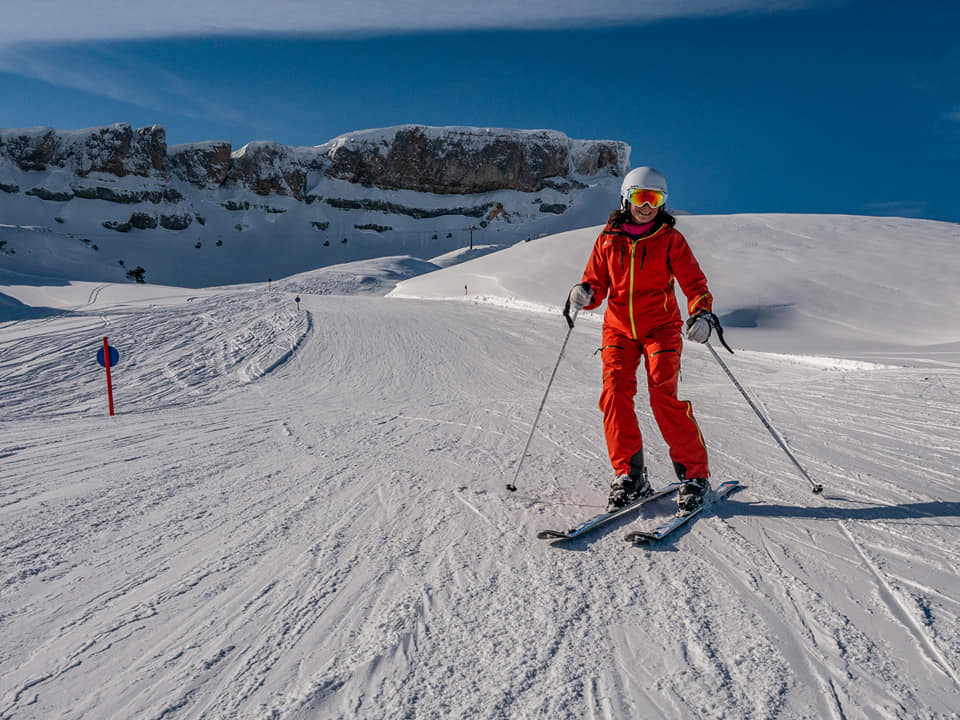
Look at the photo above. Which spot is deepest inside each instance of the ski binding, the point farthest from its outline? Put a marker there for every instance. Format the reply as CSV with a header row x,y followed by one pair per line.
x,y
605,517
640,536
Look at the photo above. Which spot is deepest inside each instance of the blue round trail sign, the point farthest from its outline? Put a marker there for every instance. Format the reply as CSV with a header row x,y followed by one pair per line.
x,y
114,357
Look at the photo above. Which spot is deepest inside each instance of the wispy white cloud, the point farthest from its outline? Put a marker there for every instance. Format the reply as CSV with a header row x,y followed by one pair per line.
x,y
105,73
68,20
56,41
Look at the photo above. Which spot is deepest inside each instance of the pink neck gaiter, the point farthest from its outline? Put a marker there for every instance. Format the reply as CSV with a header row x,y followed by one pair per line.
x,y
638,229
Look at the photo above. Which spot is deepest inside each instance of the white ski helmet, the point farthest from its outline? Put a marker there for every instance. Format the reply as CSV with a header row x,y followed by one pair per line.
x,y
642,177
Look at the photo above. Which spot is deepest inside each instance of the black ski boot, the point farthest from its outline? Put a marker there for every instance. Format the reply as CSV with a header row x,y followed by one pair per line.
x,y
626,488
690,496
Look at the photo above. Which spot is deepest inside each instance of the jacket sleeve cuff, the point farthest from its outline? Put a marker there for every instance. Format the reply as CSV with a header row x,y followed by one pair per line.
x,y
702,302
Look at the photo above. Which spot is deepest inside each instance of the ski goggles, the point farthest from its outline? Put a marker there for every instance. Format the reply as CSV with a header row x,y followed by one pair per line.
x,y
643,196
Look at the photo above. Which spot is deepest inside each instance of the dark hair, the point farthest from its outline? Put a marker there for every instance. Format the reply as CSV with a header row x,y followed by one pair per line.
x,y
622,215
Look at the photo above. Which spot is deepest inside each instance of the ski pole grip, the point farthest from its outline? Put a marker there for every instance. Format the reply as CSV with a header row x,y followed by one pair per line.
x,y
571,319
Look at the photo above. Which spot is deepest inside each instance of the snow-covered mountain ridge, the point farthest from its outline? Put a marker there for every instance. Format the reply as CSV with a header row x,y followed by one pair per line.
x,y
445,160
423,190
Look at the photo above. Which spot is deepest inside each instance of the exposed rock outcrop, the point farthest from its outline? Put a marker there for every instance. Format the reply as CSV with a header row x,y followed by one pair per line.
x,y
466,161
455,160
202,164
115,149
269,168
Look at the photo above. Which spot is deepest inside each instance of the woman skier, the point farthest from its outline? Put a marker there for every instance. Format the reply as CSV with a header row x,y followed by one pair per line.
x,y
633,266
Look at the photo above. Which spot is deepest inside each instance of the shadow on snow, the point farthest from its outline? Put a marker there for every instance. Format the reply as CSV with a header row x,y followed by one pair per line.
x,y
733,508
908,511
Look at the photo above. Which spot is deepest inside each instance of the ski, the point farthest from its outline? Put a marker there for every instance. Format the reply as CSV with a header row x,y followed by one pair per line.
x,y
605,517
639,536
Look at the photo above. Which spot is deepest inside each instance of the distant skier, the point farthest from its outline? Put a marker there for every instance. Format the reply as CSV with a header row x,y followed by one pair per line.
x,y
633,266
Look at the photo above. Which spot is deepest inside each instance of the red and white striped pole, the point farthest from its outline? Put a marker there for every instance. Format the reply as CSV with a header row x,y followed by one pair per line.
x,y
106,364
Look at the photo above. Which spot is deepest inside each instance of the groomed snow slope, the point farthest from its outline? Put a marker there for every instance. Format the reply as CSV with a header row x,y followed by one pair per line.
x,y
302,514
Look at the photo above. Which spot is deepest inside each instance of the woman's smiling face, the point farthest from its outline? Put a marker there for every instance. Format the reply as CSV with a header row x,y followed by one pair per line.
x,y
642,214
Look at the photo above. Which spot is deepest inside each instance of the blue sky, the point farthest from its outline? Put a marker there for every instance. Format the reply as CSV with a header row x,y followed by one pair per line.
x,y
746,106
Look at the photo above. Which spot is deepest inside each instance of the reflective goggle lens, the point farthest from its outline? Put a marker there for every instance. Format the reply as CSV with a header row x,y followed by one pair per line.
x,y
641,196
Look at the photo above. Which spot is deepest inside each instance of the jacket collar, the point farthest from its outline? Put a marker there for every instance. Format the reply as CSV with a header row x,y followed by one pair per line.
x,y
653,232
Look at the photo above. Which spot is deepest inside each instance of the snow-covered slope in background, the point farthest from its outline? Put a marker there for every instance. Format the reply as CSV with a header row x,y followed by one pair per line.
x,y
842,285
269,244
300,512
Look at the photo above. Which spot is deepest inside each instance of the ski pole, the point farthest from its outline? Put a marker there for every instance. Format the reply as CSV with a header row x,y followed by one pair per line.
x,y
512,487
817,487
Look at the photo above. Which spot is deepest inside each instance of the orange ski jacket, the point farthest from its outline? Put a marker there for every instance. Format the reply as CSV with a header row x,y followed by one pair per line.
x,y
638,272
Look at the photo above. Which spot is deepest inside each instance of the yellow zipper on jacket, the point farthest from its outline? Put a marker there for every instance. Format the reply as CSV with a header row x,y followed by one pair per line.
x,y
633,254
633,324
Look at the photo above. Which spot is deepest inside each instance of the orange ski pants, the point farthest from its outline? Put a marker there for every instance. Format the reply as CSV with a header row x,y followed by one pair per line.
x,y
660,352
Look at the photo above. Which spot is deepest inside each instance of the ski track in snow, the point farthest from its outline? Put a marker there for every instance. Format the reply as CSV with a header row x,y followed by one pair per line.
x,y
302,515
